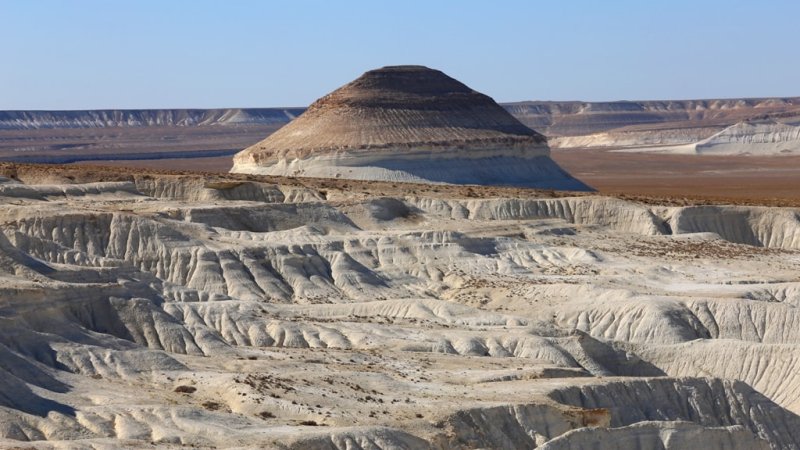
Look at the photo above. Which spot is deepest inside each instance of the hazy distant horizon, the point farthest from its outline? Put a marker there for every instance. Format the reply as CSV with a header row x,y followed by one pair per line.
x,y
500,102
202,54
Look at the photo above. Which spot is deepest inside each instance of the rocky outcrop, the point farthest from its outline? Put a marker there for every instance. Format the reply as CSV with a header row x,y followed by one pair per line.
x,y
408,124
658,435
754,138
710,403
764,227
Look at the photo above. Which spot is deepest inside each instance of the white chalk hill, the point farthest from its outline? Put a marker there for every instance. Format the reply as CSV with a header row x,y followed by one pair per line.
x,y
754,138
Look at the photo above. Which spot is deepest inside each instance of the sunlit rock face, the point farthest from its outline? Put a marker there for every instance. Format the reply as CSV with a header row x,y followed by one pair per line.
x,y
408,124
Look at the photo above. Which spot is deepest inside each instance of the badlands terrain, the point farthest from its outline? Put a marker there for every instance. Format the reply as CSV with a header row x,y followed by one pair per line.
x,y
153,309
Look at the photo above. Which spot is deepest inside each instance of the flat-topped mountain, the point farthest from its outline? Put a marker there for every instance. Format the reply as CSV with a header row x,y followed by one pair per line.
x,y
408,123
126,118
579,118
553,118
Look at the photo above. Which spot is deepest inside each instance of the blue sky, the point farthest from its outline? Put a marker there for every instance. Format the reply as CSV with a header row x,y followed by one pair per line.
x,y
83,54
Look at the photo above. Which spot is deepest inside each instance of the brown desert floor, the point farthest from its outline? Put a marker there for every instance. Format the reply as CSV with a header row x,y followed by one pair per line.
x,y
218,164
731,177
769,180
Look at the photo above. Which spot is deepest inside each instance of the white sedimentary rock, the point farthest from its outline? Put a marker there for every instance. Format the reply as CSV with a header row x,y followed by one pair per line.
x,y
170,310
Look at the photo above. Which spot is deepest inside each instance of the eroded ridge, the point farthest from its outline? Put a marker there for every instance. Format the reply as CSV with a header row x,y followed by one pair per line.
x,y
157,310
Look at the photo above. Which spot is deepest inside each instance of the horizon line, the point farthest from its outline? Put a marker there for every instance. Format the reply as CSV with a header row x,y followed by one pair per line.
x,y
516,102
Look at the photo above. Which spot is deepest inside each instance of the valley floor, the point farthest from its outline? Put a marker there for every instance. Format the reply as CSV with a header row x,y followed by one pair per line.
x,y
751,179
766,180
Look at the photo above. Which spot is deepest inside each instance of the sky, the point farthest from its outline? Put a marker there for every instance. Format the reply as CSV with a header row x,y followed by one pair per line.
x,y
91,54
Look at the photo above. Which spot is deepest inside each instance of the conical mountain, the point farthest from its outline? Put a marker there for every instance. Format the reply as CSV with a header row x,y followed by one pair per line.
x,y
408,123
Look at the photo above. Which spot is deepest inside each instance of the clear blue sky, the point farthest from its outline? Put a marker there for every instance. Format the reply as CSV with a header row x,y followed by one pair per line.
x,y
83,54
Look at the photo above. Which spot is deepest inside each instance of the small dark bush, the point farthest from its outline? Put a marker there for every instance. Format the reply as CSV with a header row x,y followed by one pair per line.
x,y
212,406
186,389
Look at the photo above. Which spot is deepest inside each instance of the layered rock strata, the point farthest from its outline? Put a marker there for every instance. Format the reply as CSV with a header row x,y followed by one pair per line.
x,y
408,124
